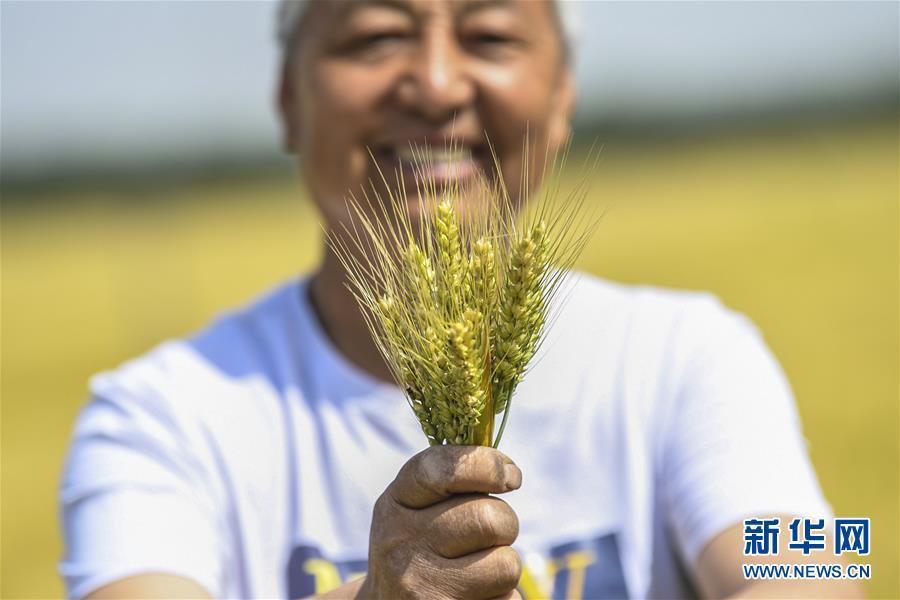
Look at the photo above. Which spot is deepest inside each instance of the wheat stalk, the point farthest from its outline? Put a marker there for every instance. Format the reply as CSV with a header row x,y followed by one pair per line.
x,y
457,298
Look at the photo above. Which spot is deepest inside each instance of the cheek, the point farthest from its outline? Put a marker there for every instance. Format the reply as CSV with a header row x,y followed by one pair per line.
x,y
334,110
518,97
338,111
517,103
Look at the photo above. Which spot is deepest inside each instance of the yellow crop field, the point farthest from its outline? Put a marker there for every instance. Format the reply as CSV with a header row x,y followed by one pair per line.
x,y
798,229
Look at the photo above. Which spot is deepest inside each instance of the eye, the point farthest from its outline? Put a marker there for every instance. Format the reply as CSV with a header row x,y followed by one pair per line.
x,y
377,40
374,39
490,43
490,39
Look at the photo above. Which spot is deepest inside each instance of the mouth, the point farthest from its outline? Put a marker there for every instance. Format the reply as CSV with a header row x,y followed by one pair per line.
x,y
437,164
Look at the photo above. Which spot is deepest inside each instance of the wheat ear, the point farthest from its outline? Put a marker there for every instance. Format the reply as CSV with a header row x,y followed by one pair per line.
x,y
457,299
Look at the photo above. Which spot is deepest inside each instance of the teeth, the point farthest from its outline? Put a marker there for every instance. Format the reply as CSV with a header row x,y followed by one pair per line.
x,y
437,155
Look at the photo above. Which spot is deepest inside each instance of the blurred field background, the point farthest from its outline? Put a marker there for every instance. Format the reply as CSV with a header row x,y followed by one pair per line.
x,y
788,214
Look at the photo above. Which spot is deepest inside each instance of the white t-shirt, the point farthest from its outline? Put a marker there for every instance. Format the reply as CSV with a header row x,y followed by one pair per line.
x,y
249,457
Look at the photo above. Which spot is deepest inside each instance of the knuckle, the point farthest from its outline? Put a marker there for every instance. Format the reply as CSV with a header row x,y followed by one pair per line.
x,y
435,465
494,465
479,465
509,567
492,458
489,519
462,466
439,465
497,520
513,521
497,465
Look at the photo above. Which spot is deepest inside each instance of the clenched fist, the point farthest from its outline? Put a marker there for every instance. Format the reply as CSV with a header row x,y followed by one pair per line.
x,y
436,533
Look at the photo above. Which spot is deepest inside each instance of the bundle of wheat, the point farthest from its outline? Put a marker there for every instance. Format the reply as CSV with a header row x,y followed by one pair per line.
x,y
456,293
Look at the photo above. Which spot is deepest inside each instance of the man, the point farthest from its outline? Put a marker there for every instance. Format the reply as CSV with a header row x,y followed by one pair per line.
x,y
271,456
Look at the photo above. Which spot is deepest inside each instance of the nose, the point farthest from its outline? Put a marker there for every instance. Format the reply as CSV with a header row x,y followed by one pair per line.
x,y
437,85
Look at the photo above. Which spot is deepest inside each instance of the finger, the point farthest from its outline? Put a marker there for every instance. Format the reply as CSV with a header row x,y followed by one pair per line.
x,y
435,473
513,595
464,524
484,574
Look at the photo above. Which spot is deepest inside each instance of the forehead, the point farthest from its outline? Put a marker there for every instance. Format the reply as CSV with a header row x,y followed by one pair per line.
x,y
344,8
301,22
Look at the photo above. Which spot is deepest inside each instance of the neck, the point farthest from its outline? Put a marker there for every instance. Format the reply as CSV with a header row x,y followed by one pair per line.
x,y
341,319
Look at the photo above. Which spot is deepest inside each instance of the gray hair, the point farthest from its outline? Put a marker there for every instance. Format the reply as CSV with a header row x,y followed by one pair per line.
x,y
290,12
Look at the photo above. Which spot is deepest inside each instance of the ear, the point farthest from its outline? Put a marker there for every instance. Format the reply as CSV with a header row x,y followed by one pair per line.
x,y
288,108
565,103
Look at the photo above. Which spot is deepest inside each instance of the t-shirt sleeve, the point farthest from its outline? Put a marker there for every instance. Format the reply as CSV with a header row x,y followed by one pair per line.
x,y
733,447
136,496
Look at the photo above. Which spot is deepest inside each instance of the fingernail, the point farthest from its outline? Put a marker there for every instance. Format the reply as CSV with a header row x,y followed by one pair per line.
x,y
512,477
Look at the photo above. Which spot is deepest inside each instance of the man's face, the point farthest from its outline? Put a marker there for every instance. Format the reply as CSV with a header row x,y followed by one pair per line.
x,y
379,75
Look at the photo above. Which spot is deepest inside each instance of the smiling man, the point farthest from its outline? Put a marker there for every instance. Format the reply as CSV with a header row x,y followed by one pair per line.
x,y
271,456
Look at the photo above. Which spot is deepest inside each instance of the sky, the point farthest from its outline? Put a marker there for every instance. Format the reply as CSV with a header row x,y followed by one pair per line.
x,y
113,82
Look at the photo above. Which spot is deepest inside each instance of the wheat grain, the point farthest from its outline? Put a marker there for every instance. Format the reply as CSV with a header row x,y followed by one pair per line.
x,y
457,300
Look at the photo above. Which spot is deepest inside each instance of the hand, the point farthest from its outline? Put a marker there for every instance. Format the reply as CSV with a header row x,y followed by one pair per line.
x,y
437,534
